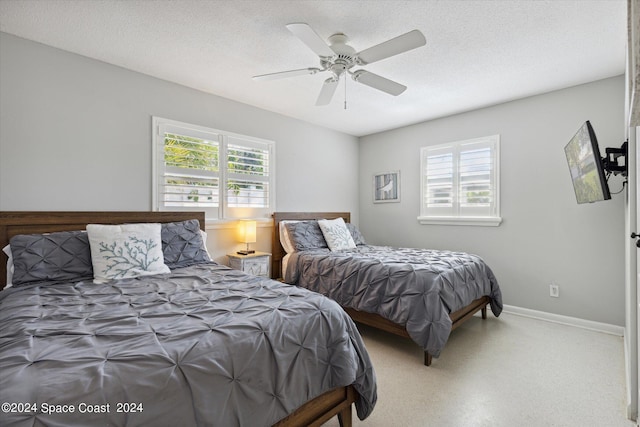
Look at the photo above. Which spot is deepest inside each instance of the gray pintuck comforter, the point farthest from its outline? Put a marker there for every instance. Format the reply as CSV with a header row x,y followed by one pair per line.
x,y
415,288
205,346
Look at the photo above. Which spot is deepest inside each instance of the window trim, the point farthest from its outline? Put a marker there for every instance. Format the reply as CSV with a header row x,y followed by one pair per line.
x,y
487,221
223,139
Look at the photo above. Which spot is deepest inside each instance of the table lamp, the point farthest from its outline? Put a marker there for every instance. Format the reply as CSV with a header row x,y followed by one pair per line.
x,y
247,231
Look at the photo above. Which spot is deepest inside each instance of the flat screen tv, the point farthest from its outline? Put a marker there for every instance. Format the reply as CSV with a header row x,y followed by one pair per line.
x,y
586,166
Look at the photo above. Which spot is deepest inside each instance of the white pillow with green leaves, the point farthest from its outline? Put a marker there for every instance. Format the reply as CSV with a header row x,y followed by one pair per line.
x,y
336,234
125,251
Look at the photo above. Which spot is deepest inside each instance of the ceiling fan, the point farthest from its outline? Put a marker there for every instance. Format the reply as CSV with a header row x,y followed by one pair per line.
x,y
339,58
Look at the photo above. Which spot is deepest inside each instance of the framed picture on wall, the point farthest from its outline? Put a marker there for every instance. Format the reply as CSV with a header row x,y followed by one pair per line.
x,y
386,187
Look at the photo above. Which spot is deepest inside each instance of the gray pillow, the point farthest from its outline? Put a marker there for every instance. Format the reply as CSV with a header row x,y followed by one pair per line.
x,y
51,258
358,238
182,244
305,235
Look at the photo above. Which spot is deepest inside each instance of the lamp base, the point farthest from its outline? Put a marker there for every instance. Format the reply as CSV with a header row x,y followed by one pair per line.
x,y
246,252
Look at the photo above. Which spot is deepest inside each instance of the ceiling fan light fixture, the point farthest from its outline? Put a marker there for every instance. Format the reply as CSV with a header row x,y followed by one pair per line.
x,y
338,57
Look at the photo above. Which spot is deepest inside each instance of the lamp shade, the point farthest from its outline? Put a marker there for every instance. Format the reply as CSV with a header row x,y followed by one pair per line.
x,y
247,231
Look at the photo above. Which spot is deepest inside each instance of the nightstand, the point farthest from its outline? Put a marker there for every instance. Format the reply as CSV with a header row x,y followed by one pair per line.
x,y
258,263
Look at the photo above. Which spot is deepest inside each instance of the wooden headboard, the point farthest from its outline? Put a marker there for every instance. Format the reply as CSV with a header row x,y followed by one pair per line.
x,y
37,222
277,251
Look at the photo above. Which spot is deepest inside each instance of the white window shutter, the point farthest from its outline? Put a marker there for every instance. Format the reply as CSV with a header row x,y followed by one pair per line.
x,y
439,181
248,176
460,182
224,174
477,188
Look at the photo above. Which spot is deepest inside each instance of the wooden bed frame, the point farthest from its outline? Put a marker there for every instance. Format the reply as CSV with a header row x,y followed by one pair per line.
x,y
371,319
313,413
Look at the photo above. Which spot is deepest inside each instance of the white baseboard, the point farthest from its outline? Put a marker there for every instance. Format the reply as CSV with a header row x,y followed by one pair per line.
x,y
566,320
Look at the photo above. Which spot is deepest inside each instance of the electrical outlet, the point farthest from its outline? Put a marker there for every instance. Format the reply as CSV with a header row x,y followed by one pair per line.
x,y
554,290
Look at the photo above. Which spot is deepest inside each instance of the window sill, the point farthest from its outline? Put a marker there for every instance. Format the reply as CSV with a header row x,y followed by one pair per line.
x,y
452,220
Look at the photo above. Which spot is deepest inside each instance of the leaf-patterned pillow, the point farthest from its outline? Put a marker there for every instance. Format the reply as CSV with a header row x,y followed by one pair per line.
x,y
125,251
336,234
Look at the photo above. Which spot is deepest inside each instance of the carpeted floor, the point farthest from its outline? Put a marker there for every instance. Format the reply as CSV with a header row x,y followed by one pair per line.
x,y
508,371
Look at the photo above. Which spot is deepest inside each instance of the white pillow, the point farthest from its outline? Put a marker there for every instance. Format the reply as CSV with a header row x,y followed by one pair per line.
x,y
285,240
125,251
204,244
7,250
336,234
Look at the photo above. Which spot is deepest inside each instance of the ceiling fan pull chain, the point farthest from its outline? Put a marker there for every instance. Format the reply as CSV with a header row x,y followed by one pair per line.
x,y
345,93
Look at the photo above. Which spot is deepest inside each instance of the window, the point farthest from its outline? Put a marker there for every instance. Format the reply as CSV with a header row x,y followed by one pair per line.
x,y
460,182
224,174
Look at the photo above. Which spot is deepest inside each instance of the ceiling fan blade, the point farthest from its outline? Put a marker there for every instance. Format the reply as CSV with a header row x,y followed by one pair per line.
x,y
378,82
328,89
283,74
400,44
309,37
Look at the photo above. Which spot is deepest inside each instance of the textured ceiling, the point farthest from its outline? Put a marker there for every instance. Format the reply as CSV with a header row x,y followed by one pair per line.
x,y
478,53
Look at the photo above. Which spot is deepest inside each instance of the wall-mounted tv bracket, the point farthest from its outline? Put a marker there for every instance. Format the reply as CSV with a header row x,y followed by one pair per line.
x,y
611,162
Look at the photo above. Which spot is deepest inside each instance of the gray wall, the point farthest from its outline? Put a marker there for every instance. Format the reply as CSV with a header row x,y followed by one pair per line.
x,y
75,134
545,235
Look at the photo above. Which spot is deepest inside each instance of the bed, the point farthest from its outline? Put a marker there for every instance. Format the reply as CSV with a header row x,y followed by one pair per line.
x,y
415,293
200,345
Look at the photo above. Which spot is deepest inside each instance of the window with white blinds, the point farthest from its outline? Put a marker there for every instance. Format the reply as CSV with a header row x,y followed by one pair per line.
x,y
460,182
224,174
